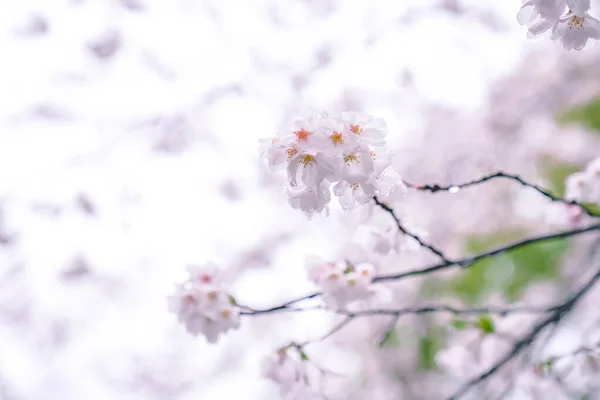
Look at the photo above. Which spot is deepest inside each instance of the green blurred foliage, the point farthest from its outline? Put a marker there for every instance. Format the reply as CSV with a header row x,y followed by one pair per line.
x,y
587,115
555,173
485,324
459,324
391,338
429,345
510,272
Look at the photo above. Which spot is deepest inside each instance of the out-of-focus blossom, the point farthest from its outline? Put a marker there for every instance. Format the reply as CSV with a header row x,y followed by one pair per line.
x,y
342,283
202,305
291,375
584,186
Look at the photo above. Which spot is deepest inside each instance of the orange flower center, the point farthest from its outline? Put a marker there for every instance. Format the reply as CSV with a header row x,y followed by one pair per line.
x,y
356,129
336,138
291,152
189,299
350,157
302,135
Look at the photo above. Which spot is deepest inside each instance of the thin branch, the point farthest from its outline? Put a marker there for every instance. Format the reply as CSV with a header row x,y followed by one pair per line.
x,y
338,327
503,175
283,307
466,262
524,342
407,233
502,311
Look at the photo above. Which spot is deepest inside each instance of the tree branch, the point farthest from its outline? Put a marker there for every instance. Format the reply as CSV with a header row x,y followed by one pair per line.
x,y
464,263
519,346
407,233
468,261
502,175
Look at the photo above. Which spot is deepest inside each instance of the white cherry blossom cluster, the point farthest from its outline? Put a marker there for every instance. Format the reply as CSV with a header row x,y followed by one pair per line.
x,y
291,375
584,186
342,283
347,150
568,21
202,305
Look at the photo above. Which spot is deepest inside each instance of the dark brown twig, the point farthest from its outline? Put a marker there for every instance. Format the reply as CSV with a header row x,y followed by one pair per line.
x,y
433,188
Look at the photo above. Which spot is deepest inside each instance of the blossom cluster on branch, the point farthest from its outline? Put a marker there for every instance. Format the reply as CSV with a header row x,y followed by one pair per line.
x,y
203,306
568,21
348,152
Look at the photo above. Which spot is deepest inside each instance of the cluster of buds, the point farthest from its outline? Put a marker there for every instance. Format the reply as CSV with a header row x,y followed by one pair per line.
x,y
202,305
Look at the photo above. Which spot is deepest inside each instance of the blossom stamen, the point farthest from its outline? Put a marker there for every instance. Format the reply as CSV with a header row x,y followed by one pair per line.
x,y
356,129
336,138
307,160
302,135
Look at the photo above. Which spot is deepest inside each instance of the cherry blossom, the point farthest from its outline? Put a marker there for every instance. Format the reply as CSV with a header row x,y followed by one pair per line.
x,y
346,151
540,15
202,306
575,28
291,376
342,283
584,186
569,20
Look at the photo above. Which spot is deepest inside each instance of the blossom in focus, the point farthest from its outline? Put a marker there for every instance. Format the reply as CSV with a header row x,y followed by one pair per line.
x,y
347,151
202,306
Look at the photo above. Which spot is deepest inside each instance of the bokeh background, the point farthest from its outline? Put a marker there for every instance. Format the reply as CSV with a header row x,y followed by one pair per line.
x,y
129,149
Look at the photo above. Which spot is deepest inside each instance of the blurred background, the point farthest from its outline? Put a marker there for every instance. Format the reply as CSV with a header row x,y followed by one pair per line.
x,y
129,148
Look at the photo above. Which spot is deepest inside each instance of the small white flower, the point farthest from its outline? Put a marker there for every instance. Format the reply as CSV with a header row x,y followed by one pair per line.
x,y
540,15
208,273
575,28
312,169
283,370
358,166
371,130
388,183
560,214
301,133
336,137
342,283
202,306
291,375
352,194
277,153
579,7
308,199
583,187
